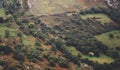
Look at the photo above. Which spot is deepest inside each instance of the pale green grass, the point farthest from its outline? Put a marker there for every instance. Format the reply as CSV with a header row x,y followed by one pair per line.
x,y
114,42
102,17
73,50
102,59
28,40
3,28
2,13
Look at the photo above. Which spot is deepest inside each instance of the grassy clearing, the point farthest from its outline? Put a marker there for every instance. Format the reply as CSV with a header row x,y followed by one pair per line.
x,y
73,50
2,13
3,28
102,59
100,17
106,40
28,40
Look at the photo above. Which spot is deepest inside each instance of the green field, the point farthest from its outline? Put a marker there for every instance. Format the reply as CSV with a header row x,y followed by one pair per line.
x,y
102,59
103,18
106,40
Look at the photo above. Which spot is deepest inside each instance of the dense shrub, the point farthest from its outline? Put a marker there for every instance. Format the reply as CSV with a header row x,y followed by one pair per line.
x,y
2,62
64,64
1,20
6,49
52,63
18,56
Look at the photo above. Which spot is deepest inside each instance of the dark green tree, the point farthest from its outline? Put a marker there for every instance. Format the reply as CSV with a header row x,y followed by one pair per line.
x,y
6,49
52,63
7,33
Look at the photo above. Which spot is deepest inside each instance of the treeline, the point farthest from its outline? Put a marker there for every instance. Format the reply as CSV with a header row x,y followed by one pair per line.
x,y
13,7
60,46
114,14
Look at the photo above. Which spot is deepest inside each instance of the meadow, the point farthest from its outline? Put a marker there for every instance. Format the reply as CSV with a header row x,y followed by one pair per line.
x,y
99,17
102,59
110,42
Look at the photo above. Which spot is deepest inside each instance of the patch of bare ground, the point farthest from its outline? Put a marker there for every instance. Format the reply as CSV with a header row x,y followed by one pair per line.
x,y
56,19
9,58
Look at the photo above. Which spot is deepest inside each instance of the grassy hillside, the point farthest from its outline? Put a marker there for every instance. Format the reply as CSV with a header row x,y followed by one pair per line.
x,y
99,17
3,28
110,42
33,39
102,59
47,7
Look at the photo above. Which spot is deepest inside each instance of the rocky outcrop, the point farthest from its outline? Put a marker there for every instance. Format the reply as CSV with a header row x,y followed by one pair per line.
x,y
113,3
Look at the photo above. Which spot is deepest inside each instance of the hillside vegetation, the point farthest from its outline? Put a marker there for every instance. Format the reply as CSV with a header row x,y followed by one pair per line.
x,y
108,40
59,35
